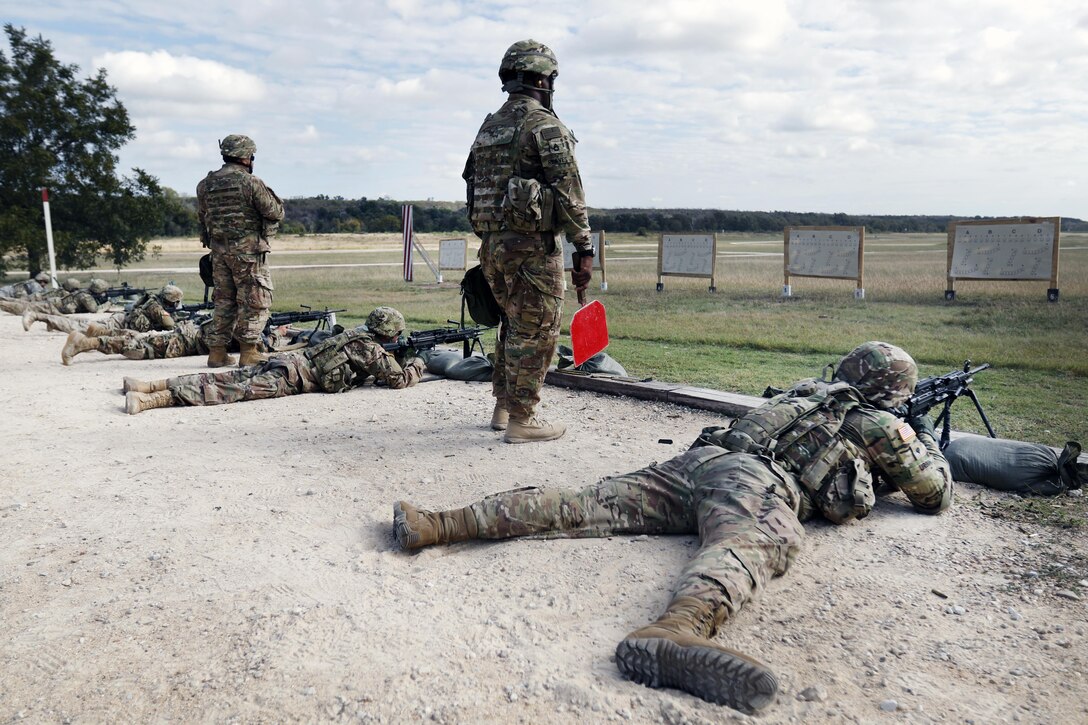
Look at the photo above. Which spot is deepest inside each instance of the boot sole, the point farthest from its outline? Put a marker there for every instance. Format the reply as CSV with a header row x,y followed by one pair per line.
x,y
529,439
708,673
407,538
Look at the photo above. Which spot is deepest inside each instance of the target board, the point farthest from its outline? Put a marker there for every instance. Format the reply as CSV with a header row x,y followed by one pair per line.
x,y
833,252
687,255
1018,249
452,254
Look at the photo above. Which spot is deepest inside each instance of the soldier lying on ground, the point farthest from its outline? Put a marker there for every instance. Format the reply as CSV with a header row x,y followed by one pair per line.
x,y
71,301
22,290
151,313
331,366
812,450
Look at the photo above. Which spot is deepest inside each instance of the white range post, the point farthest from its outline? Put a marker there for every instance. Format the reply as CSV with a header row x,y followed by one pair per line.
x,y
49,238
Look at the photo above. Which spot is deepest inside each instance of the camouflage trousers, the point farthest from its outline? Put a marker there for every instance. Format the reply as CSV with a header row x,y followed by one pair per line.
x,y
289,374
743,507
242,296
19,306
526,277
153,346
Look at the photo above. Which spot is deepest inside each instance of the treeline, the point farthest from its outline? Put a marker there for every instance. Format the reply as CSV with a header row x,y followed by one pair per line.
x,y
326,215
654,221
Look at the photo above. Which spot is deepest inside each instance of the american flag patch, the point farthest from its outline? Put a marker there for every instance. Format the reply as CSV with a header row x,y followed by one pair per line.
x,y
906,433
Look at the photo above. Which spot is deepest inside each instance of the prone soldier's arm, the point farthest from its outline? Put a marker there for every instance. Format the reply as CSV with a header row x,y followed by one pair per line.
x,y
911,460
372,359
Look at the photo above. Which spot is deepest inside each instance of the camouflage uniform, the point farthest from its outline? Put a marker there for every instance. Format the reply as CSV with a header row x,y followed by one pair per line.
x,y
745,490
524,195
237,214
331,366
747,507
20,290
149,314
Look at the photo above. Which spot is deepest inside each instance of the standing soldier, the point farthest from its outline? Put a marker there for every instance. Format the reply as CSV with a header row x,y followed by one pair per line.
x,y
237,214
814,450
524,195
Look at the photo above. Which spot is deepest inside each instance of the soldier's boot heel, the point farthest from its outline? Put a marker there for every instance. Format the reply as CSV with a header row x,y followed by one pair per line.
x,y
218,357
139,402
500,417
135,385
77,342
415,528
676,652
249,354
29,318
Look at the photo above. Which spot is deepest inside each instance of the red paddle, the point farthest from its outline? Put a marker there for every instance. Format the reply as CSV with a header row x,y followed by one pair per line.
x,y
588,329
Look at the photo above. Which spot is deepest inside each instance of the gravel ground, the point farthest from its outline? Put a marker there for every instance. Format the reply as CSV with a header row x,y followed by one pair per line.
x,y
236,563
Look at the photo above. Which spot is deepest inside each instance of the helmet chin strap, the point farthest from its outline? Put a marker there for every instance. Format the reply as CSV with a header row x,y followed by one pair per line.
x,y
516,85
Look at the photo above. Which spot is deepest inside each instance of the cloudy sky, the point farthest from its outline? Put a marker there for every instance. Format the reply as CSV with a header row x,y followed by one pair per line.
x,y
860,106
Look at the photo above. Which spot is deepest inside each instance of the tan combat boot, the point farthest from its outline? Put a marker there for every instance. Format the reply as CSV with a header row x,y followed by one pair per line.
x,y
139,402
29,318
77,342
676,652
416,528
135,385
97,329
249,354
533,429
500,417
218,357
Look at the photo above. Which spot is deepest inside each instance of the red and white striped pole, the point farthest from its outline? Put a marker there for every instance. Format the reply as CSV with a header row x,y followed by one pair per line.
x,y
49,238
406,226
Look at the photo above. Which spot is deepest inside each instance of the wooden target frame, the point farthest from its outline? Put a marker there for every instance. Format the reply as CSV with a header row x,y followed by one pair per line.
x,y
859,278
1006,240
675,267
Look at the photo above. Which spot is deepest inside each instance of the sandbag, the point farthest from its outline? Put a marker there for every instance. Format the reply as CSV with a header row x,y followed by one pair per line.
x,y
600,363
451,364
1028,468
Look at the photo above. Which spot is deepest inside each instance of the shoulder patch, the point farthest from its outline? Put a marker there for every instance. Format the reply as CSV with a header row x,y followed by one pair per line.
x,y
906,433
551,132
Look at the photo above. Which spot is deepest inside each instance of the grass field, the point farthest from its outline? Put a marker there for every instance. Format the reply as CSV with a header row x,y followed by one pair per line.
x,y
746,335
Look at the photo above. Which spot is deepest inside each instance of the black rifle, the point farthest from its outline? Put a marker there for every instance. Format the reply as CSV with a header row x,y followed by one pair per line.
x,y
123,291
325,318
945,389
429,339
188,312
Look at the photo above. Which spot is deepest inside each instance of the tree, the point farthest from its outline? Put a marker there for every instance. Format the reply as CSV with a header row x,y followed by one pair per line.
x,y
62,133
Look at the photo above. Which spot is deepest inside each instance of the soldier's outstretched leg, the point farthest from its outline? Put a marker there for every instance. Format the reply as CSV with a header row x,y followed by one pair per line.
x,y
676,652
54,323
749,532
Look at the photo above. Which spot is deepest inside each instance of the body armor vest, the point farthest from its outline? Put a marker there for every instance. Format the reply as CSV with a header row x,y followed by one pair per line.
x,y
229,216
333,372
800,429
137,318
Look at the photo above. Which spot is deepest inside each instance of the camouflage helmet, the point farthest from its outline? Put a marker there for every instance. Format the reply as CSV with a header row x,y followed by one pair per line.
x,y
41,277
385,321
238,146
171,293
883,373
98,286
71,284
529,56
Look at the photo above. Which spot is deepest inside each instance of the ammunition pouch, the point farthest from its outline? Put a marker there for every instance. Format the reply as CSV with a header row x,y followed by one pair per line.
x,y
528,206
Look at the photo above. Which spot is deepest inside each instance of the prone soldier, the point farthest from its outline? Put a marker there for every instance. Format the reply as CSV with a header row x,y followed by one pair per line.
x,y
153,312
333,365
814,450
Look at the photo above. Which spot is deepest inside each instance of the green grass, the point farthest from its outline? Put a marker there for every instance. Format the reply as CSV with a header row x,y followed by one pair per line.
x,y
747,335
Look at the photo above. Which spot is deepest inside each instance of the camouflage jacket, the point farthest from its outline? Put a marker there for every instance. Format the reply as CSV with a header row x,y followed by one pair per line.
x,y
237,212
526,141
352,357
20,290
836,445
147,315
78,301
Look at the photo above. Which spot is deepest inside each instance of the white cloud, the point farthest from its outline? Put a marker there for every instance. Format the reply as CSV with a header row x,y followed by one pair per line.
x,y
188,85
